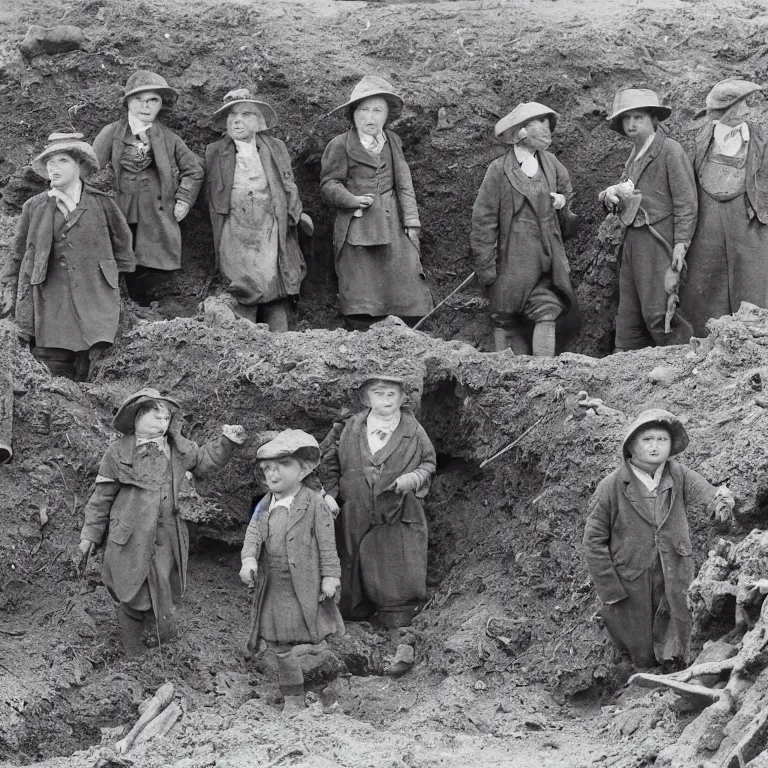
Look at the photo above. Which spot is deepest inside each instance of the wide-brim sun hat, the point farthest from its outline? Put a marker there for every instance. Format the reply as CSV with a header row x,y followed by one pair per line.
x,y
291,442
69,144
523,113
726,93
368,87
244,96
143,80
126,413
662,418
631,99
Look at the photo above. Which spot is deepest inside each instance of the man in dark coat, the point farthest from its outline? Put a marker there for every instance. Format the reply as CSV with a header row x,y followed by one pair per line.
x,y
637,542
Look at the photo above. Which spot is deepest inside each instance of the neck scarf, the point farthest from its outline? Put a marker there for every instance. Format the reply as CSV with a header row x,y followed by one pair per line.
x,y
379,429
645,146
529,163
67,199
730,139
161,442
246,148
373,144
651,482
286,501
138,127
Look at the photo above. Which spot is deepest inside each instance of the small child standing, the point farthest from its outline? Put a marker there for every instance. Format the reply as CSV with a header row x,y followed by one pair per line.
x,y
137,488
289,555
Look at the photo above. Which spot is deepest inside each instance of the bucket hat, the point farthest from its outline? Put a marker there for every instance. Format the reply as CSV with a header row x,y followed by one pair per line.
x,y
291,442
657,416
143,80
369,86
520,115
726,93
635,98
70,144
126,413
244,96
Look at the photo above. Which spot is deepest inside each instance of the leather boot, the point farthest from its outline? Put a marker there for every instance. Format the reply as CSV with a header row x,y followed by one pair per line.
x,y
403,661
130,634
544,339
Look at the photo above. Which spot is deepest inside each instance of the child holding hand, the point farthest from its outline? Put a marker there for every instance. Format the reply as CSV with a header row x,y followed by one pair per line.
x,y
289,556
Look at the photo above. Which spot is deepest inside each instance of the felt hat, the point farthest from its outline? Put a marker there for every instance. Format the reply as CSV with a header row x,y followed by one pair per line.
x,y
657,416
520,115
126,413
635,98
385,377
291,442
244,96
373,85
68,144
143,80
726,93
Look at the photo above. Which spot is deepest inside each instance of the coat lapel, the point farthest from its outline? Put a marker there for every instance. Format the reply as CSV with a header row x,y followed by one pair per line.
x,y
227,163
403,431
357,151
74,217
162,158
516,177
43,234
118,138
648,157
634,498
299,506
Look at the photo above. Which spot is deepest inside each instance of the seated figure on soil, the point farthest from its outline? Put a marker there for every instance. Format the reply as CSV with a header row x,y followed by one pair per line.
x,y
519,220
157,178
289,557
637,542
136,495
656,201
71,243
376,232
255,210
728,258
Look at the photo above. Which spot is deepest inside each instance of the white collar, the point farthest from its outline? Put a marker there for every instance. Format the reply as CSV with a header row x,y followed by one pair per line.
x,y
651,482
373,143
286,501
645,146
246,148
529,163
382,423
137,126
729,139
67,199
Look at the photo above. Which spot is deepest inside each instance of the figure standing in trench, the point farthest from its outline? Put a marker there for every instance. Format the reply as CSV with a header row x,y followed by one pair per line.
x,y
255,210
728,257
376,234
519,220
157,178
136,499
656,201
62,279
637,542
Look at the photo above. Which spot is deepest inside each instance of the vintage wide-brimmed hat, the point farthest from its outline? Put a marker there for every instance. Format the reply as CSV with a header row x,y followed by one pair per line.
x,y
519,116
291,442
244,96
726,93
635,98
143,80
663,418
69,144
126,413
369,86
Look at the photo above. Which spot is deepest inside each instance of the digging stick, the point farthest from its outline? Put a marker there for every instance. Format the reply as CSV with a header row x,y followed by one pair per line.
x,y
512,444
454,291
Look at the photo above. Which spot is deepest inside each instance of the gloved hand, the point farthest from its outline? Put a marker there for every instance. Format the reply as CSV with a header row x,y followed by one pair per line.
x,y
248,570
407,482
328,587
558,200
608,197
678,256
413,233
364,201
724,504
234,432
332,504
180,210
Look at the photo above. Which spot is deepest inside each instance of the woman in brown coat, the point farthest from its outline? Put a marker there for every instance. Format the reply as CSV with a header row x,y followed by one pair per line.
x,y
517,241
255,211
71,243
376,232
157,178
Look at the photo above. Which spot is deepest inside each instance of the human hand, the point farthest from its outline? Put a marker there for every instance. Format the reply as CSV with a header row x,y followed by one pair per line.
x,y
332,505
248,570
328,587
307,225
413,233
407,482
85,549
234,432
180,210
609,197
678,256
364,201
558,200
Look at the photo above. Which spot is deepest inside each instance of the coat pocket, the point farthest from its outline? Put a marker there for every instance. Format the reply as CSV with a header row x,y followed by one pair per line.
x,y
109,270
119,532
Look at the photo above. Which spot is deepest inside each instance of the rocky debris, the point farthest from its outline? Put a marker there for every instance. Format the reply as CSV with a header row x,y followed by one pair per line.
x,y
41,41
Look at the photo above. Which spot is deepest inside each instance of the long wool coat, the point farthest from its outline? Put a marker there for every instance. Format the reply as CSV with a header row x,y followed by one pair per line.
x,y
179,174
622,542
383,534
98,248
130,505
220,161
312,555
510,261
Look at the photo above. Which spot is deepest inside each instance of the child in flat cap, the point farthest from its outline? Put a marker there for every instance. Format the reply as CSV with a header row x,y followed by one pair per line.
x,y
136,493
289,556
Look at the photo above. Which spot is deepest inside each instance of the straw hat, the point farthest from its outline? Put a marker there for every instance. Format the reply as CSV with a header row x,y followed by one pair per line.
x,y
69,144
369,86
657,416
519,116
244,96
726,93
291,442
126,413
143,80
635,98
